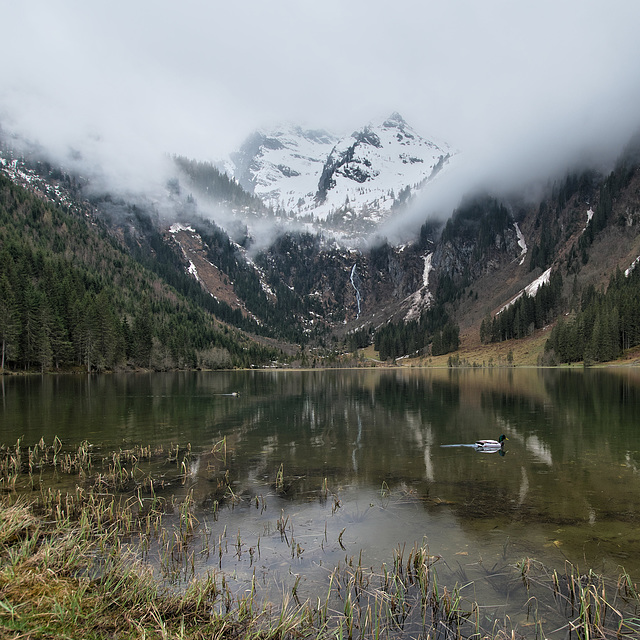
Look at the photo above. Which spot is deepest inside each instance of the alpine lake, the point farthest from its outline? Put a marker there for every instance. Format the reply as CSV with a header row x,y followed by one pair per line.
x,y
294,476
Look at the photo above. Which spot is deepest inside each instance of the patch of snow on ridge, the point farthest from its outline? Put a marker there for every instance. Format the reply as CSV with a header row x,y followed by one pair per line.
x,y
427,269
632,266
177,227
422,298
193,271
589,216
530,289
521,243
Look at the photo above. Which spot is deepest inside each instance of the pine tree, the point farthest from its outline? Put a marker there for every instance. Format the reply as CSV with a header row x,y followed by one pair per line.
x,y
61,346
31,327
142,335
88,331
9,321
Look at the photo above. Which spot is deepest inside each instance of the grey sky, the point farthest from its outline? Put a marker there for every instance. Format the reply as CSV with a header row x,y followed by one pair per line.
x,y
124,81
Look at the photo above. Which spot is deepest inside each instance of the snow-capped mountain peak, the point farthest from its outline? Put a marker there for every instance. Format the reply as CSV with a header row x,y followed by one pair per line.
x,y
315,174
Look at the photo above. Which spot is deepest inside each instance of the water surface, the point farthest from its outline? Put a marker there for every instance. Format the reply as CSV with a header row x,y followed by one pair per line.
x,y
363,465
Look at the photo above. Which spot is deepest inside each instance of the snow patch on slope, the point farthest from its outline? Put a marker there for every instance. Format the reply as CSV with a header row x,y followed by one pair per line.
x,y
355,287
521,243
589,216
192,270
422,298
177,227
531,289
632,266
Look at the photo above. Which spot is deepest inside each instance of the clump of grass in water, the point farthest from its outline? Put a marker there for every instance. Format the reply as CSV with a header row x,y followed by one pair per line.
x,y
95,587
594,606
280,479
118,472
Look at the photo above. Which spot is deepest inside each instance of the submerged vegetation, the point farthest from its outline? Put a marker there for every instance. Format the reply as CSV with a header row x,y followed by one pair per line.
x,y
109,553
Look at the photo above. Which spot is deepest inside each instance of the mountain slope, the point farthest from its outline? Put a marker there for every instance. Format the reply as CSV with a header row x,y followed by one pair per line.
x,y
281,166
369,170
72,296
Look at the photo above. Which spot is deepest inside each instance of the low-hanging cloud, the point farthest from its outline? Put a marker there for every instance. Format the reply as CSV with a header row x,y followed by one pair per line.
x,y
523,90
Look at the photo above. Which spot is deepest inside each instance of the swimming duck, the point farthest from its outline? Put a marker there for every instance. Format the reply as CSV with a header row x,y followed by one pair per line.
x,y
491,444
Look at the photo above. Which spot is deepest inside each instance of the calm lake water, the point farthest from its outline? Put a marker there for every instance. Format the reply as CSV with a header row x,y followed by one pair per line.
x,y
364,468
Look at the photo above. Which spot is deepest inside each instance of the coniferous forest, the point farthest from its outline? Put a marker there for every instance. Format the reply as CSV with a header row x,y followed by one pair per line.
x,y
206,179
72,297
434,332
607,323
524,315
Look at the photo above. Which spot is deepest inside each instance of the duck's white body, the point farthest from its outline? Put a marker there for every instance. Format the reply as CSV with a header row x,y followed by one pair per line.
x,y
490,444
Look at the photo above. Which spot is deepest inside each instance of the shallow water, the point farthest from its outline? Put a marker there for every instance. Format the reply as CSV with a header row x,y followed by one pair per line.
x,y
367,465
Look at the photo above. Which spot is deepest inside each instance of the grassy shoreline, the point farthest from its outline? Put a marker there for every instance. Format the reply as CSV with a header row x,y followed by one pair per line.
x,y
518,353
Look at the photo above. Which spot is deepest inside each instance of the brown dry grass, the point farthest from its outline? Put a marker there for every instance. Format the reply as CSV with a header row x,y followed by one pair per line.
x,y
525,353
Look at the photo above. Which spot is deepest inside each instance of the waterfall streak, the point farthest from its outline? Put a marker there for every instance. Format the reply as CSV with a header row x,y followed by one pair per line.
x,y
353,284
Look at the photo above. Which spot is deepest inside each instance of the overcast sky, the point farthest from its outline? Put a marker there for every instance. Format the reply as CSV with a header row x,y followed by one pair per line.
x,y
127,80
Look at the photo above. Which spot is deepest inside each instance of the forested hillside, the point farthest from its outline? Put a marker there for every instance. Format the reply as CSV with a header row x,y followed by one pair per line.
x,y
434,329
72,297
526,314
596,322
607,323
